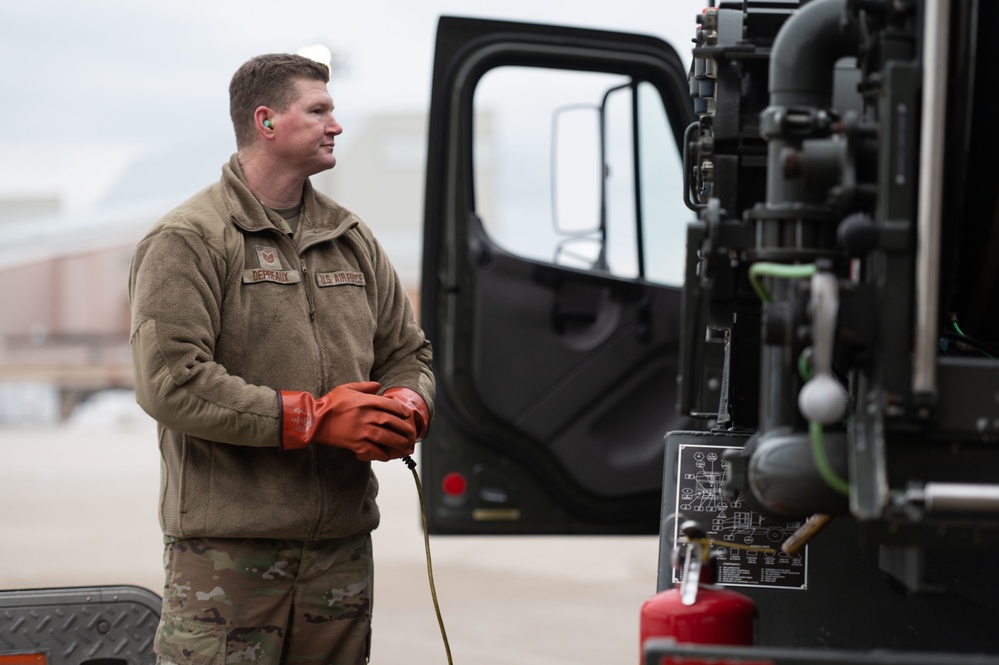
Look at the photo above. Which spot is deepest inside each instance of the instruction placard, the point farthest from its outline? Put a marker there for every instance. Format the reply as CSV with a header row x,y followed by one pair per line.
x,y
747,544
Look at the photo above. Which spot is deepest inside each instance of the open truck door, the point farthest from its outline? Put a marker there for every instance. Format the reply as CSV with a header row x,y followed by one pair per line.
x,y
554,244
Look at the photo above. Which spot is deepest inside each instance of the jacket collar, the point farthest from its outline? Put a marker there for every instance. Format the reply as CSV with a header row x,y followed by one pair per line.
x,y
321,218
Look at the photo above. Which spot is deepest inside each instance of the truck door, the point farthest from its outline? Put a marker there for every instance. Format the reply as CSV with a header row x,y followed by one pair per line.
x,y
554,244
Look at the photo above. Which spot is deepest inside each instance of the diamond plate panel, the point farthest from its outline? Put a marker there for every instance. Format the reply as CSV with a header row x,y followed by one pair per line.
x,y
114,624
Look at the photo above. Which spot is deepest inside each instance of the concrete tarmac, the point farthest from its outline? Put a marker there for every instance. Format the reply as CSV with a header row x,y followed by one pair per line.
x,y
79,509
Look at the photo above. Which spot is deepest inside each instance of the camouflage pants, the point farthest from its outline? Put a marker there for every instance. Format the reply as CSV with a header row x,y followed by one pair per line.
x,y
266,602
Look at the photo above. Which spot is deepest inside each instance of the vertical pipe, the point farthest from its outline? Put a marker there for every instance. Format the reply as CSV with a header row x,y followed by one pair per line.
x,y
936,24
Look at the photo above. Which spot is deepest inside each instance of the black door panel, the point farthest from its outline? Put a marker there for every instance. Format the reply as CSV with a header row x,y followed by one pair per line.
x,y
597,393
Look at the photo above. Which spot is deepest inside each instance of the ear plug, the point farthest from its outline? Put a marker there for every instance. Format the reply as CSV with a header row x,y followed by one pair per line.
x,y
267,124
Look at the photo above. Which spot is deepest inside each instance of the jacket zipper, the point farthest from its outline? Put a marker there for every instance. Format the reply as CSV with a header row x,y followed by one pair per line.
x,y
307,284
308,293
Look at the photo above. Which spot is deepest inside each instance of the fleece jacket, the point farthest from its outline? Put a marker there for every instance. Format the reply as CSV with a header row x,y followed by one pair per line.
x,y
228,310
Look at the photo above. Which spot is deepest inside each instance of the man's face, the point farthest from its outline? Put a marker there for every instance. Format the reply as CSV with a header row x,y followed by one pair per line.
x,y
305,132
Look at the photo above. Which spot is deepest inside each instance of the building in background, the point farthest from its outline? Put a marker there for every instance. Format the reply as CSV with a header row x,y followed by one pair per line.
x,y
64,275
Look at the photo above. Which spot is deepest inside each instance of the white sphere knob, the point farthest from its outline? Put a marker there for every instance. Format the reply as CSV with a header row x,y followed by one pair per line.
x,y
822,399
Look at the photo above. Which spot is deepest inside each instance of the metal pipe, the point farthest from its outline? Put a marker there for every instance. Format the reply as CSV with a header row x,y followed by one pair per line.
x,y
804,55
961,497
936,23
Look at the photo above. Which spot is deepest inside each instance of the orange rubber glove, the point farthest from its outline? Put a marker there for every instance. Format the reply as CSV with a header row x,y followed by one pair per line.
x,y
351,416
412,399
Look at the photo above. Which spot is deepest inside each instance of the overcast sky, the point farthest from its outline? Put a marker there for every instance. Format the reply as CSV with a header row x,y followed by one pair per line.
x,y
90,85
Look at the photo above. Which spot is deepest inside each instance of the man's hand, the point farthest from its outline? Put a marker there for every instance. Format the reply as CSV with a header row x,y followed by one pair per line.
x,y
351,416
412,399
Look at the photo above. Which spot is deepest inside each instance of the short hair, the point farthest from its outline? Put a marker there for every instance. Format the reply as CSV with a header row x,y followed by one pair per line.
x,y
268,80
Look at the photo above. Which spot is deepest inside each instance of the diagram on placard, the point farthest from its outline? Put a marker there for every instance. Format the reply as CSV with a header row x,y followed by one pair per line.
x,y
747,545
705,494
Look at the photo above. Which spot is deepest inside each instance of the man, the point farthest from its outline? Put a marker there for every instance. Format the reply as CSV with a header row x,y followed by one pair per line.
x,y
277,349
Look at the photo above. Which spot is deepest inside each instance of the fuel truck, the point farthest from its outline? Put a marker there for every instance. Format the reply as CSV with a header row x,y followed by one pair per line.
x,y
763,321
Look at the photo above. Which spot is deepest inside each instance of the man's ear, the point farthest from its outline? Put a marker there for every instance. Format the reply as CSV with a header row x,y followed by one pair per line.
x,y
263,121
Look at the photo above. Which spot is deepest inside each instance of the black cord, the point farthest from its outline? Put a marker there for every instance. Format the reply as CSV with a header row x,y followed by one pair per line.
x,y
961,339
426,541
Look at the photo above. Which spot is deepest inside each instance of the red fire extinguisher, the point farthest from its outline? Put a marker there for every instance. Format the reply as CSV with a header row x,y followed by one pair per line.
x,y
696,611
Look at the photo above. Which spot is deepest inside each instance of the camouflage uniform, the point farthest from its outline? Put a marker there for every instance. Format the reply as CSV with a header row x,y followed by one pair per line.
x,y
311,601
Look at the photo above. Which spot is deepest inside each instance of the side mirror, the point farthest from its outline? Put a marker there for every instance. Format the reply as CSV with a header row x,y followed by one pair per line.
x,y
577,174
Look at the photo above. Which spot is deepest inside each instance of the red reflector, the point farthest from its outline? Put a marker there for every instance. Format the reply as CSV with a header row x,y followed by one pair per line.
x,y
23,659
454,484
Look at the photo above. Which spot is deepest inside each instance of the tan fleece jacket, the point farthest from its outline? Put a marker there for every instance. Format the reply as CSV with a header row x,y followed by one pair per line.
x,y
226,311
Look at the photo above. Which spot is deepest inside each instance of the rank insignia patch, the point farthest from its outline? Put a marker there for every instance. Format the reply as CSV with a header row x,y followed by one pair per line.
x,y
268,257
